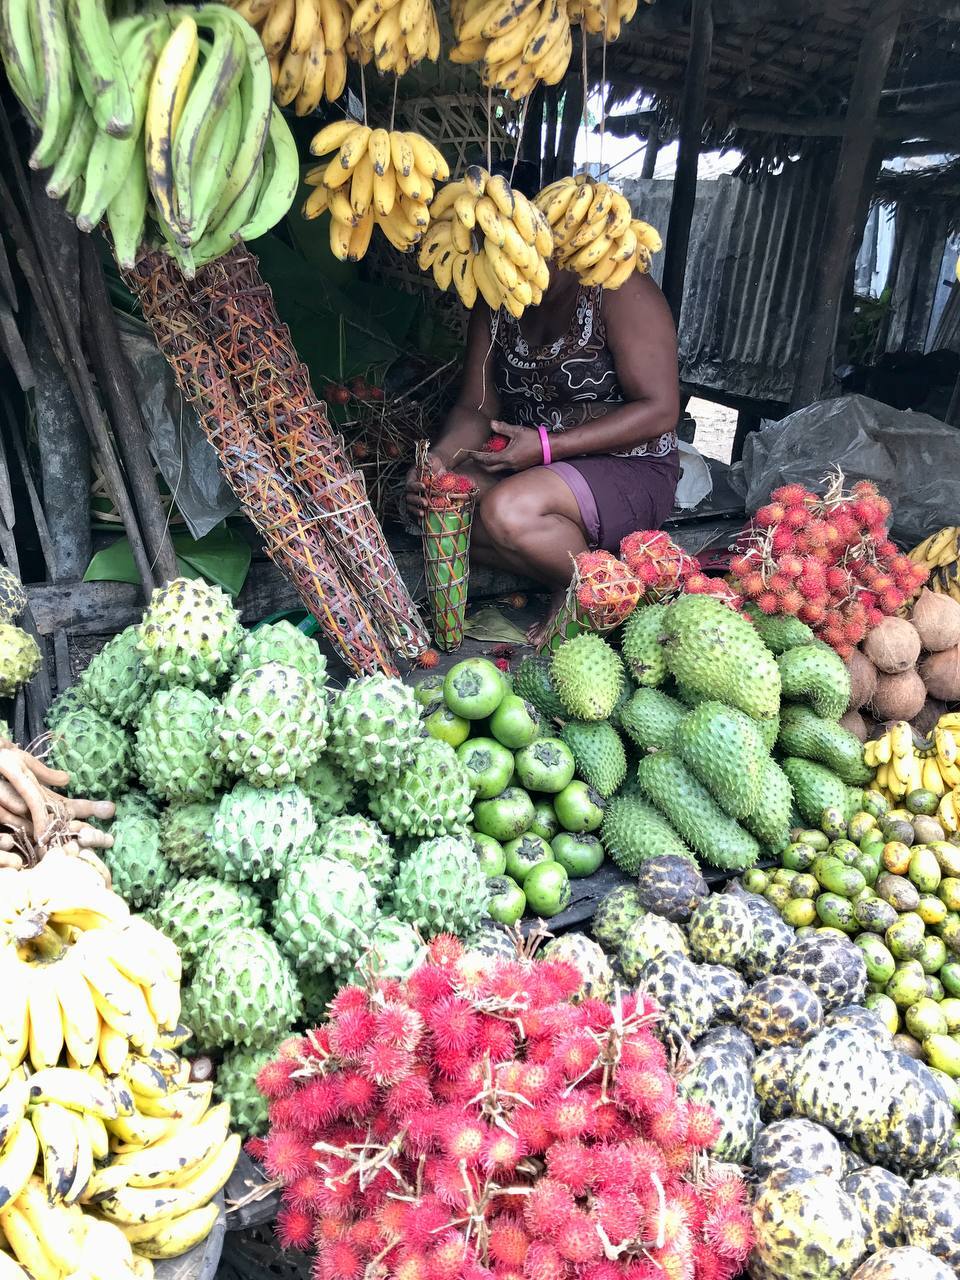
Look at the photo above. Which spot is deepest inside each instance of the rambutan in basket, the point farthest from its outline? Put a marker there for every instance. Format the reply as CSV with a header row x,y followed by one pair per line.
x,y
445,534
602,595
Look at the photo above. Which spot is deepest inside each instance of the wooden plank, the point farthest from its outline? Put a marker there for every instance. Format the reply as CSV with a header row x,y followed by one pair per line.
x,y
650,152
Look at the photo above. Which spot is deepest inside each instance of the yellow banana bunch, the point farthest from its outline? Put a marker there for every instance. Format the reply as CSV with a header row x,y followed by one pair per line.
x,y
306,44
602,17
519,42
902,766
941,555
595,232
394,34
375,178
487,239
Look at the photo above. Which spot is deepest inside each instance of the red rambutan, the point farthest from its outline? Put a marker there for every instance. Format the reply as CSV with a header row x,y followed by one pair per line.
x,y
398,1025
508,1243
496,1038
422,1221
496,443
723,1189
791,602
286,1155
532,1130
318,1102
356,1094
645,1093
453,1024
569,1117
410,1266
350,1033
890,601
294,1228
709,1266
448,1257
811,613
783,539
256,1148
543,1262
619,1214
427,984
767,602
286,1113
305,1193
428,659
729,1232
502,1152
570,1163
407,1096
770,515
275,1078
461,1136
790,495
338,1261
703,1126
577,1238
600,1271
546,1206
445,949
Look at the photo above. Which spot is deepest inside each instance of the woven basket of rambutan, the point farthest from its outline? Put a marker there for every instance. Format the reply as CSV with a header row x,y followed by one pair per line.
x,y
602,594
658,564
482,1121
445,535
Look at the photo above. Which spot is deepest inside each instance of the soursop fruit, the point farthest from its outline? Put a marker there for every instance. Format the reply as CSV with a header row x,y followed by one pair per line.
x,y
815,788
317,989
727,990
243,992
916,1130
688,806
772,1071
116,683
616,912
533,682
284,643
771,820
19,659
640,644
440,888
815,674
190,634
329,789
374,728
634,831
185,831
175,745
780,631
588,959
721,930
879,1195
430,796
258,832
895,1264
394,949
359,841
780,1010
721,1076
646,939
588,674
931,1218
94,751
722,748
797,1144
771,937
193,911
717,654
650,719
677,986
832,967
324,914
236,1083
806,1228
273,725
627,690
671,887
805,734
13,598
139,871
599,753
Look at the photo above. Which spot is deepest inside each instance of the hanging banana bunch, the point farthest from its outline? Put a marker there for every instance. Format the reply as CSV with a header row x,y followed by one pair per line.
x,y
487,238
941,555
595,232
378,177
519,42
602,17
394,34
306,44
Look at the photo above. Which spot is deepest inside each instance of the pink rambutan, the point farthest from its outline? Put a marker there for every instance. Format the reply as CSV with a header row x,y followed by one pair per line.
x,y
407,1096
647,1162
570,1163
445,949
256,1149
275,1078
411,1265
453,1067
385,1064
348,1000
768,602
286,1113
447,1258
645,1092
548,1204
812,613
338,1261
336,1196
305,1193
890,601
752,584
569,1117
422,1220
427,984
508,1243
791,495
783,539
495,1038
709,1266
620,1215
397,1025
604,1270
703,1126
453,1024
356,1094
496,443
770,515
779,583
538,1081
557,980
318,1102
575,1054
294,1228
286,1155
668,1125
543,1262
461,1137
577,1238
532,1130
729,1232
791,602
350,1033
451,1185
502,1152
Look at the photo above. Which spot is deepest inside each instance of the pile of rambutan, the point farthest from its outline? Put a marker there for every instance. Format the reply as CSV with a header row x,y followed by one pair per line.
x,y
825,560
606,590
445,490
480,1121
658,564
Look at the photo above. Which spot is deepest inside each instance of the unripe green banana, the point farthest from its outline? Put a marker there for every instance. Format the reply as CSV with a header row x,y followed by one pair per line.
x,y
99,67
281,179
56,112
72,160
214,164
20,57
127,212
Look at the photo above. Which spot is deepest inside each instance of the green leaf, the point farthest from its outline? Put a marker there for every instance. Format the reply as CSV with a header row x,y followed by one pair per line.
x,y
490,624
219,556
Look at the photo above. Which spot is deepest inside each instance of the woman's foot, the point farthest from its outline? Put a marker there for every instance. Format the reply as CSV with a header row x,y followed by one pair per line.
x,y
540,630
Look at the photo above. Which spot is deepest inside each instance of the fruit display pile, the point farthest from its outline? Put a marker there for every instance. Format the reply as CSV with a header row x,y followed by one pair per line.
x,y
109,1155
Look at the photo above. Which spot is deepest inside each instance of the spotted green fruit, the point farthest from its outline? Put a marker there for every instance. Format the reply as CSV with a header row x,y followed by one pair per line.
x,y
525,853
506,816
924,1019
515,723
545,821
943,1052
507,901
546,765
547,889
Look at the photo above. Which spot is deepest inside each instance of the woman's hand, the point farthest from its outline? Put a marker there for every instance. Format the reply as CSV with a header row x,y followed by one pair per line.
x,y
523,451
414,494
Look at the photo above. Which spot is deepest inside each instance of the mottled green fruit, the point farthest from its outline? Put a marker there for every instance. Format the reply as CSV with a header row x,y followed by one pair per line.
x,y
394,949
284,643
770,821
374,728
176,744
599,753
815,788
616,913
678,987
193,912
806,1227
190,634
19,659
651,717
588,675
236,1083
359,841
579,853
324,913
634,831
243,992
116,683
95,753
646,938
665,781
506,816
816,675
641,647
139,870
428,691
721,930
441,888
579,807
780,632
523,854
328,789
672,887
803,733
273,725
429,797
780,1011
507,901
589,961
533,682
722,748
545,821
13,598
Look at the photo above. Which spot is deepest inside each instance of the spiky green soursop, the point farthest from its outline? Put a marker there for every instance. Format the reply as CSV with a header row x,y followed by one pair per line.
x,y
588,959
258,832
771,1080
649,937
727,990
879,1195
721,1076
651,717
685,1002
805,734
780,1010
616,912
190,634
599,753
393,950
192,912
670,886
634,831
815,788
588,674
832,967
71,699
19,659
806,1227
770,821
894,1264
722,748
360,841
532,680
641,647
284,643
236,1083
691,810
328,787
374,728
94,751
175,745
797,1144
430,796
139,871
815,674
721,930
13,598
324,914
243,992
717,654
185,831
116,683
780,631
273,725
440,888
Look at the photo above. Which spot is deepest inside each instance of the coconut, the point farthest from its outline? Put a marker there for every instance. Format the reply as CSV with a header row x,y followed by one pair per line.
x,y
893,645
898,697
863,679
941,674
926,718
854,723
936,618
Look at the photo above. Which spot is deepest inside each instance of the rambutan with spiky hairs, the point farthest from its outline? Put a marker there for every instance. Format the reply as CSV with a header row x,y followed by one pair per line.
x,y
577,1237
667,1126
411,1265
407,1096
532,1130
453,1025
428,984
356,1094
305,1193
287,1155
645,1092
496,1039
294,1227
770,515
620,1214
545,1206
256,1148
461,1137
570,1116
385,1064
708,1266
445,949
502,1152
508,1243
703,1125
768,602
286,1113
571,1163
350,1033
448,1256
729,1232
604,1270
396,1024
338,1260
318,1103
543,1262
275,1078
557,980
347,1000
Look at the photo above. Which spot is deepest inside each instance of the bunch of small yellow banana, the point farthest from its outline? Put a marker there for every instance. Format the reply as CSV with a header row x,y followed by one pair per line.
x,y
485,237
595,232
602,16
941,554
306,45
519,42
904,765
377,178
394,34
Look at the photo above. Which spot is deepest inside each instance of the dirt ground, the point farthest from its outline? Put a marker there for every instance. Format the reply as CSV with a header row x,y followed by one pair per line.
x,y
716,425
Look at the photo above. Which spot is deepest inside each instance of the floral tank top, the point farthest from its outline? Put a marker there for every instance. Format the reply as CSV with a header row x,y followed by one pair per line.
x,y
566,383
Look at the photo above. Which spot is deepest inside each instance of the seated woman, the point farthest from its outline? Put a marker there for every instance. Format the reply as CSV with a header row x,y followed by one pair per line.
x,y
598,371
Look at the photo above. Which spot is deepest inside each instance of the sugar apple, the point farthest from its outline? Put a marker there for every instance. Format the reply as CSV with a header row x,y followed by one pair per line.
x,y
19,658
360,841
721,1077
879,1195
727,990
796,1144
441,888
116,683
139,871
13,598
243,992
317,989
374,728
675,983
721,930
772,1070
430,796
272,727
588,675
806,1227
94,751
284,643
185,831
672,887
615,913
730,1040
650,936
895,1264
588,959
833,967
70,700
175,745
858,1018
329,789
257,832
780,1010
394,949
136,801
190,634
236,1083
193,912
324,914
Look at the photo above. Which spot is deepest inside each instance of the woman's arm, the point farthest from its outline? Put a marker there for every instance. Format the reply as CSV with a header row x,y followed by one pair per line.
x,y
467,427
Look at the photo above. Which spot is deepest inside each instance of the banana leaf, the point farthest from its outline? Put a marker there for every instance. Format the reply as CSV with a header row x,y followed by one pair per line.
x,y
220,556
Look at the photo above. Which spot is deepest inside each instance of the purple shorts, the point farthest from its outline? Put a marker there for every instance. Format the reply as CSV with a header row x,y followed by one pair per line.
x,y
618,495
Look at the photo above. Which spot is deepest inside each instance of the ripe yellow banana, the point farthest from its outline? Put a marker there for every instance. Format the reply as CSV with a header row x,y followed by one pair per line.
x,y
52,1224
17,1162
14,1097
26,1245
46,1029
134,1206
178,1235
168,95
79,1091
58,1132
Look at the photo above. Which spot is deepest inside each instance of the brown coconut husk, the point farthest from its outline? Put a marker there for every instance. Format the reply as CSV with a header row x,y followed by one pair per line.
x,y
893,645
863,679
854,723
925,721
941,674
936,618
898,696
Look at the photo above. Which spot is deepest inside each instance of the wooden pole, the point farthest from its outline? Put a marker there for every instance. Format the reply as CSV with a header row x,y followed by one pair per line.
x,y
840,226
570,121
692,109
650,152
548,165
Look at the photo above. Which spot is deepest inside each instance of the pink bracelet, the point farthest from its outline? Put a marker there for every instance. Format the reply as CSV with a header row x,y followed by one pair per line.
x,y
545,445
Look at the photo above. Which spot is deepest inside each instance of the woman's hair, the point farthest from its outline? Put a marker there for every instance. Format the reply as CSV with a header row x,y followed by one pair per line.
x,y
523,176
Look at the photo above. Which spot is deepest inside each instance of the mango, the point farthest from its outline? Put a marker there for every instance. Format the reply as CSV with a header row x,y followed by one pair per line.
x,y
836,912
924,1019
804,885
934,953
950,977
924,869
875,803
950,1008
799,855
860,824
881,964
815,839
907,986
896,857
885,1009
931,909
905,1043
934,988
949,893
799,912
832,822
869,864
845,850
948,855
898,891
784,875
755,880
777,894
943,1052
906,937
874,914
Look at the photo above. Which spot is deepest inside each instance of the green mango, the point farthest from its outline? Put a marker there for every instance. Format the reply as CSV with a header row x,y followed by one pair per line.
x,y
881,966
885,1009
943,1052
924,1019
948,856
836,876
934,990
804,885
950,1008
950,977
859,825
845,850
836,912
906,937
874,803
815,839
934,953
798,856
949,931
784,875
924,870
907,986
869,864
777,894
931,910
799,912
898,891
949,893
874,914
